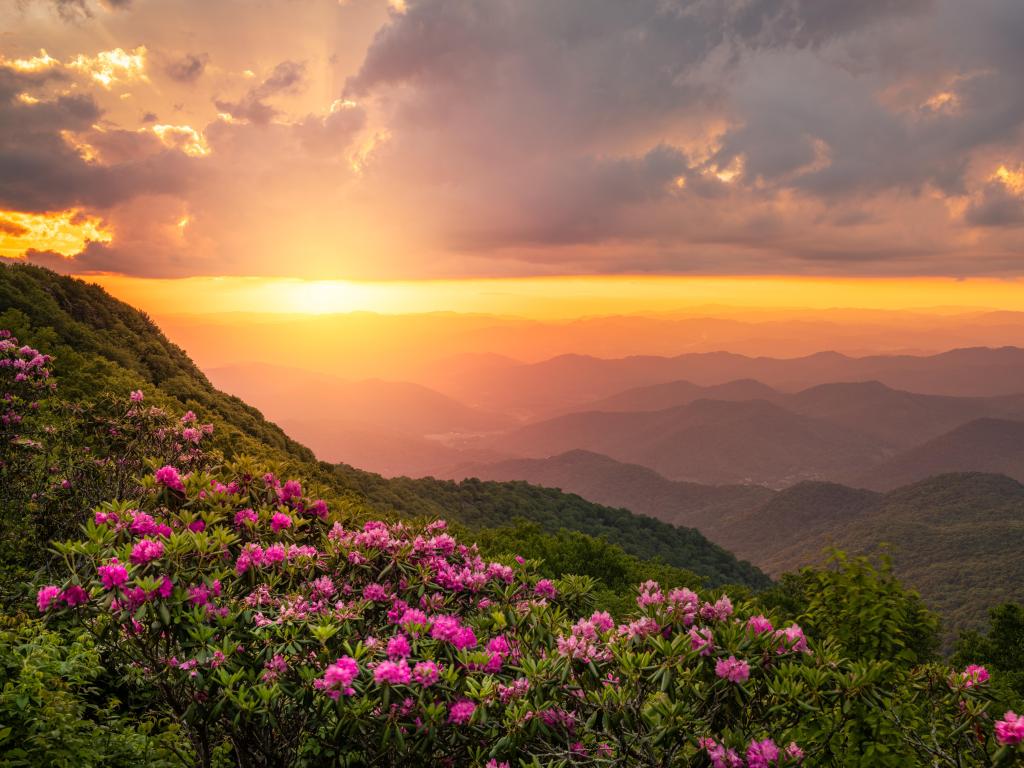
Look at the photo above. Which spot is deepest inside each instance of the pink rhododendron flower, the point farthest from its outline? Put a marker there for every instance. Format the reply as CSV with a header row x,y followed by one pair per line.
x,y
719,756
973,675
732,669
113,574
761,754
146,550
290,490
74,595
277,666
650,594
245,517
426,673
545,588
376,593
136,396
398,647
793,752
461,712
1010,730
142,524
166,588
792,638
720,610
702,640
392,673
338,677
759,625
280,521
169,478
518,688
46,596
683,604
197,526
444,627
318,508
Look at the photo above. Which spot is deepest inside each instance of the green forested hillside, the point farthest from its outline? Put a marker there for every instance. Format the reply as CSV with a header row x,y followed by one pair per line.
x,y
103,344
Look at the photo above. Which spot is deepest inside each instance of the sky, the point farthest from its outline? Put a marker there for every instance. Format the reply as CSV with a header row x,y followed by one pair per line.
x,y
332,155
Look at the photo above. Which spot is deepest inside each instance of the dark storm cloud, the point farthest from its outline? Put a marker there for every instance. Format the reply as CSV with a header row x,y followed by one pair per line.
x,y
996,207
538,108
41,171
188,68
286,77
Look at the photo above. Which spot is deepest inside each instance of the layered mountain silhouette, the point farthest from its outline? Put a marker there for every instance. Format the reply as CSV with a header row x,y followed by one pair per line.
x,y
709,441
856,432
598,477
982,445
572,381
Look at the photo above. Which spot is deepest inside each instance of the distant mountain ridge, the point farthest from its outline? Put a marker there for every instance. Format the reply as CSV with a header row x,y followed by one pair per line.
x,y
982,445
598,477
573,380
708,441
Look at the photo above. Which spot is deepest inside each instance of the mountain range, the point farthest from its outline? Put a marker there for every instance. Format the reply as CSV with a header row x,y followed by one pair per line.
x,y
572,381
855,432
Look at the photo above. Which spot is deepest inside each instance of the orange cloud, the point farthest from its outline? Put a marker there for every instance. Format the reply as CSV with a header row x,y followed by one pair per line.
x,y
184,138
1011,178
114,67
63,232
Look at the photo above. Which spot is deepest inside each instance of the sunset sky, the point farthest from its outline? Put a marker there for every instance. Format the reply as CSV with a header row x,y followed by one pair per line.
x,y
413,155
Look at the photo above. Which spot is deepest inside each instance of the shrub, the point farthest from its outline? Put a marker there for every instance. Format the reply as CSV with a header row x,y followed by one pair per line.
x,y
52,712
261,623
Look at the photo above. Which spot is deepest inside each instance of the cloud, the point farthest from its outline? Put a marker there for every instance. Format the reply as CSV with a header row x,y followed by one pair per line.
x,y
188,68
285,78
510,137
45,151
530,123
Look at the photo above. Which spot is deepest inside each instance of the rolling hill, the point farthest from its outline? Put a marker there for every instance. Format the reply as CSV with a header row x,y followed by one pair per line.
x,y
708,441
982,445
606,481
900,418
672,394
949,535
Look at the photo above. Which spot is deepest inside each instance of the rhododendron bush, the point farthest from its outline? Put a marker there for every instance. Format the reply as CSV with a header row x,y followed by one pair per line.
x,y
262,622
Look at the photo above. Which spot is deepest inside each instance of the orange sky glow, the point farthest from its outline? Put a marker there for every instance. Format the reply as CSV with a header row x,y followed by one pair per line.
x,y
558,297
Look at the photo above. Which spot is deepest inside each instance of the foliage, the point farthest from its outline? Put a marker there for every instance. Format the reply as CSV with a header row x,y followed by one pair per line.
x,y
53,714
862,607
1000,648
482,504
260,623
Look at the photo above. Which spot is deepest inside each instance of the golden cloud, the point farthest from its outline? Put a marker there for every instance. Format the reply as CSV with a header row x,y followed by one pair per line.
x,y
184,138
63,232
115,67
40,63
108,68
1011,178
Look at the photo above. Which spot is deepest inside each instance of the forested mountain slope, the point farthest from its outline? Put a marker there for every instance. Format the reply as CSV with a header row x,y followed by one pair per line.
x,y
101,343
